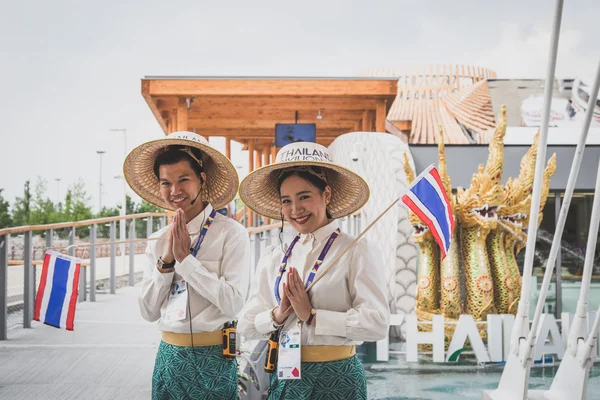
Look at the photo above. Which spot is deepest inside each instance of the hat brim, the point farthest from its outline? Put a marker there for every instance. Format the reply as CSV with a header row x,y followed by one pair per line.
x,y
349,192
221,176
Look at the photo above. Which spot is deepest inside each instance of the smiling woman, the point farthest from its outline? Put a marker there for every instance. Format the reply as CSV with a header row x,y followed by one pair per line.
x,y
304,198
314,333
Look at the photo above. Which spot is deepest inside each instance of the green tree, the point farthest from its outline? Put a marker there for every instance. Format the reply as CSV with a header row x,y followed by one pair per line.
x,y
43,210
104,229
22,207
76,206
5,217
145,207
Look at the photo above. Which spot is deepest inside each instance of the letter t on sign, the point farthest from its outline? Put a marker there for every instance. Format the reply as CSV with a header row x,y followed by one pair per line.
x,y
414,338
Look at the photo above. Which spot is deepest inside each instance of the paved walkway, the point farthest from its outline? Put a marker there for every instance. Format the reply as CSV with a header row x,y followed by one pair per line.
x,y
110,355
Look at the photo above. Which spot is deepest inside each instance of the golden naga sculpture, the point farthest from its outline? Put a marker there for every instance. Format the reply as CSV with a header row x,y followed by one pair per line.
x,y
477,208
451,302
490,230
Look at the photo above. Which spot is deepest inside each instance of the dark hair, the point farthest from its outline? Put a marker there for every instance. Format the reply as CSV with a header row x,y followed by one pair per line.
x,y
317,182
174,154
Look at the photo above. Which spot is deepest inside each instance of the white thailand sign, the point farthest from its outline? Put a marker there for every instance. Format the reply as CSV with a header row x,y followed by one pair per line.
x,y
550,339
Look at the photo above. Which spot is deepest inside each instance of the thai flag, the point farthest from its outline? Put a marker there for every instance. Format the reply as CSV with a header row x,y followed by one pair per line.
x,y
58,290
427,198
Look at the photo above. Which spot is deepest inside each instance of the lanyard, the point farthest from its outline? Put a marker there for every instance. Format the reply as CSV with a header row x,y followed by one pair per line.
x,y
207,224
315,267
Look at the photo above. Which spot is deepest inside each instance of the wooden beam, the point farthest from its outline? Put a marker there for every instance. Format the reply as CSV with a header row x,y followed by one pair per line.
x,y
167,103
259,158
277,87
208,123
228,148
250,156
367,123
182,115
380,115
271,114
171,125
357,126
273,154
259,133
290,103
153,106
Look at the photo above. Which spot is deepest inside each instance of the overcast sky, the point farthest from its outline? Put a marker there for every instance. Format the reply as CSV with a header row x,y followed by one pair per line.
x,y
71,70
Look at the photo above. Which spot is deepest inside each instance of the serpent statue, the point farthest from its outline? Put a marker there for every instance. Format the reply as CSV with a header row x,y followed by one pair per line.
x,y
480,274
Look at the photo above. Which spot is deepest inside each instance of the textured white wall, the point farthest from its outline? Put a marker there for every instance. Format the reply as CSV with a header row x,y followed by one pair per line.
x,y
378,158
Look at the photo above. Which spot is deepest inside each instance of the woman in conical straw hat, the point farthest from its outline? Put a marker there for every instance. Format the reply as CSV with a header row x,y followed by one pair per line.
x,y
346,307
193,285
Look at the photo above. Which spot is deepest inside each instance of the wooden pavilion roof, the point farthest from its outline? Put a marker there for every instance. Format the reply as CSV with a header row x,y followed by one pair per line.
x,y
247,109
456,98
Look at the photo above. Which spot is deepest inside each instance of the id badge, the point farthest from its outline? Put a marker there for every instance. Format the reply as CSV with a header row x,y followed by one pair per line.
x,y
177,303
289,360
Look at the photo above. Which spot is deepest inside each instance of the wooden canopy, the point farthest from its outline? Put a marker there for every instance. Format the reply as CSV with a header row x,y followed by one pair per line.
x,y
247,109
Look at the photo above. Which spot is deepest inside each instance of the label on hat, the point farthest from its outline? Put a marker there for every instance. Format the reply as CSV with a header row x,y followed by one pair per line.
x,y
304,151
194,137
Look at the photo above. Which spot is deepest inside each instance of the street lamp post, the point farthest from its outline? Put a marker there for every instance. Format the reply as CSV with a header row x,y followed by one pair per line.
x,y
122,229
100,153
57,190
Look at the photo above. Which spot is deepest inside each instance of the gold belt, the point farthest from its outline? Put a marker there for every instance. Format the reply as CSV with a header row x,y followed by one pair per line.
x,y
199,339
326,353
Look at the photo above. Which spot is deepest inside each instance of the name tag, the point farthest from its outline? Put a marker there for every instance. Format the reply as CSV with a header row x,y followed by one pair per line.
x,y
177,303
290,359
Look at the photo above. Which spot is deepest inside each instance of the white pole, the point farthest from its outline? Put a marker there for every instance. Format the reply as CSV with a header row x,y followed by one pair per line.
x,y
571,379
122,223
521,325
100,153
124,207
560,224
588,265
515,376
592,338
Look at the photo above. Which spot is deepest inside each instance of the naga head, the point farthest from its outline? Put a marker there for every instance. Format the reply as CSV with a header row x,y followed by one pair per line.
x,y
479,204
422,232
495,162
443,166
549,171
443,170
516,198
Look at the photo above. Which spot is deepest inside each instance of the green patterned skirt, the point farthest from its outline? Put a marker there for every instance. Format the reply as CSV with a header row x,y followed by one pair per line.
x,y
344,380
199,373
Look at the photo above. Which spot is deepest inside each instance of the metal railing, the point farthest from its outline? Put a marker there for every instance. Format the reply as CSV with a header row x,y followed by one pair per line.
x,y
17,300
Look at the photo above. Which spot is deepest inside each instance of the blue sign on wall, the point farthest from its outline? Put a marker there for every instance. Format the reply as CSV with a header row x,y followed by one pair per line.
x,y
292,133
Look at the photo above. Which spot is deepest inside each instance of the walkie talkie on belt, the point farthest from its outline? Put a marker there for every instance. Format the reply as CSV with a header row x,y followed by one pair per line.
x,y
229,340
272,352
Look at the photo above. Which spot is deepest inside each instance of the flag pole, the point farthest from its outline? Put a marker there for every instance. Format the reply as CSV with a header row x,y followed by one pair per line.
x,y
348,248
572,376
403,192
515,376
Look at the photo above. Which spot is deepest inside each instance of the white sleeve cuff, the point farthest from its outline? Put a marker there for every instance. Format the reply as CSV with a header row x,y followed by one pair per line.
x,y
162,279
331,323
263,322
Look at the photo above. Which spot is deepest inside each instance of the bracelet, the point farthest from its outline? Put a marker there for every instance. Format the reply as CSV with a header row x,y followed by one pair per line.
x,y
162,265
275,324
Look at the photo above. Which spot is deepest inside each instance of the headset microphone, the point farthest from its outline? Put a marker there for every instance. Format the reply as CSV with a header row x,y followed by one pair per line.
x,y
196,198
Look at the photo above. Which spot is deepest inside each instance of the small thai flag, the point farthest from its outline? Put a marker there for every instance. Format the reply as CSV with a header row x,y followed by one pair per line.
x,y
427,198
58,290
